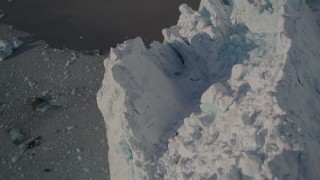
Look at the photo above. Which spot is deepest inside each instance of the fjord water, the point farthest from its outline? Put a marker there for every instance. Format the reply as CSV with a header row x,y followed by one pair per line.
x,y
94,24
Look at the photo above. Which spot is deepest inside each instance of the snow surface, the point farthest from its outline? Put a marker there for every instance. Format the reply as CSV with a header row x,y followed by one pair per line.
x,y
233,92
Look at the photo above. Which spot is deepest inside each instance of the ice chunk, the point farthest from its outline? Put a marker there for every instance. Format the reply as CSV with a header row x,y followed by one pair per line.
x,y
73,58
16,158
42,104
249,164
16,136
237,72
217,96
126,149
7,47
2,15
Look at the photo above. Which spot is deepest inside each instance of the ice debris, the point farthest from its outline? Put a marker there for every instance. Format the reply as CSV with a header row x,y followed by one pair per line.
x,y
42,104
70,128
72,59
2,15
16,158
7,47
57,50
16,136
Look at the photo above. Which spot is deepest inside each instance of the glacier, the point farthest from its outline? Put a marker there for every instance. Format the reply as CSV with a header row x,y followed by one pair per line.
x,y
233,92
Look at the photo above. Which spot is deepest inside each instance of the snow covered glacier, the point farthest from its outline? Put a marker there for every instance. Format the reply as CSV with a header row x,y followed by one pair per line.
x,y
233,92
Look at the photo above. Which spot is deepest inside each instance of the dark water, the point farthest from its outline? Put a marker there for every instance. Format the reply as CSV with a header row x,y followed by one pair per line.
x,y
102,23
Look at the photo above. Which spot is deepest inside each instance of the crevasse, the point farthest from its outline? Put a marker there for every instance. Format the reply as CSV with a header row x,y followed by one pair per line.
x,y
231,93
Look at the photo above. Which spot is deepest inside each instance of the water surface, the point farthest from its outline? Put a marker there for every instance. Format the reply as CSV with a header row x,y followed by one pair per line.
x,y
93,24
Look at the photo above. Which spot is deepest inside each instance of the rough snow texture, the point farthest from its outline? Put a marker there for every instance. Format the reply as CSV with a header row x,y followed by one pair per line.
x,y
233,92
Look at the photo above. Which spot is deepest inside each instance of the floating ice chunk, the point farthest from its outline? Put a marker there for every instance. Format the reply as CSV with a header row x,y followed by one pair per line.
x,y
2,15
70,128
42,104
86,169
7,47
72,59
17,136
16,158
56,50
16,43
79,157
32,83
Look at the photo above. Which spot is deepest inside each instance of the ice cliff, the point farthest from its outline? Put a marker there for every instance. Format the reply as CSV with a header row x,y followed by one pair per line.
x,y
233,92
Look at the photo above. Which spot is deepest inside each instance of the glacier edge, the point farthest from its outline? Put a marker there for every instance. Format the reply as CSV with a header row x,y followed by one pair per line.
x,y
231,93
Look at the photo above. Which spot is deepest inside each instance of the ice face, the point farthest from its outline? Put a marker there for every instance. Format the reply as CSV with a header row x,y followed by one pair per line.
x,y
232,93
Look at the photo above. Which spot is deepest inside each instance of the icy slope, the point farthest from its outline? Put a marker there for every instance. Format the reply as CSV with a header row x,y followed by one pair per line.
x,y
232,93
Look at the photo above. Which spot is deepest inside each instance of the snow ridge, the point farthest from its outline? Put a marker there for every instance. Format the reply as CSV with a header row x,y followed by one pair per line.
x,y
231,93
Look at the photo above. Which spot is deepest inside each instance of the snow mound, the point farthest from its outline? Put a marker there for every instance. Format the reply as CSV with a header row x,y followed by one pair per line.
x,y
233,92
